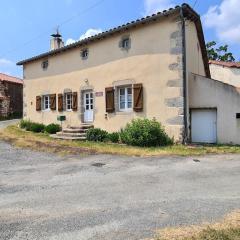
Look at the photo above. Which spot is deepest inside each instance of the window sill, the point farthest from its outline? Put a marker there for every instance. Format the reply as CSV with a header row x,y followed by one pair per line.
x,y
69,110
46,110
124,112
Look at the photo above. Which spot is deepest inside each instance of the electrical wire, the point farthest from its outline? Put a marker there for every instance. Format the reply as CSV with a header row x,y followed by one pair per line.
x,y
196,1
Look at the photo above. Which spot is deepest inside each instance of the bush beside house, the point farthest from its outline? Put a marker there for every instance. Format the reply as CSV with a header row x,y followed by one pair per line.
x,y
38,127
145,133
140,132
52,128
96,135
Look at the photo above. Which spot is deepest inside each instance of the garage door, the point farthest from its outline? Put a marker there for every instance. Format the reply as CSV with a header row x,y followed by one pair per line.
x,y
204,125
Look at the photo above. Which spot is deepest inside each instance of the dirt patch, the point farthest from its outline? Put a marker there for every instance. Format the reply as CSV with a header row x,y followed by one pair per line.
x,y
231,221
49,146
56,148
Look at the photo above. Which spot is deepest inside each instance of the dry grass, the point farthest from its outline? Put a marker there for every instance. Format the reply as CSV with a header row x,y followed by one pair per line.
x,y
227,229
43,142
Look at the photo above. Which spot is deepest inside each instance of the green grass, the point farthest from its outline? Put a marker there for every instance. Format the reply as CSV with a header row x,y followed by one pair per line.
x,y
40,141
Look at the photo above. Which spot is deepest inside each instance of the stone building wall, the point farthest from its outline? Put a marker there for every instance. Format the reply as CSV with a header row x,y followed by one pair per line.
x,y
10,99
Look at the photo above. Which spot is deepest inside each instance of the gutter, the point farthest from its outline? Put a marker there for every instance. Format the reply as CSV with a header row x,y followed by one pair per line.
x,y
184,65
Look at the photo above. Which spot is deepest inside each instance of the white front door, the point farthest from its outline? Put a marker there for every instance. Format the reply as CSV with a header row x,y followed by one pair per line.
x,y
204,125
88,106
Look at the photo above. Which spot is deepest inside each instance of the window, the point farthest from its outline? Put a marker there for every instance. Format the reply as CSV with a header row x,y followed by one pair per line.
x,y
46,102
89,101
68,97
125,98
84,54
45,65
125,43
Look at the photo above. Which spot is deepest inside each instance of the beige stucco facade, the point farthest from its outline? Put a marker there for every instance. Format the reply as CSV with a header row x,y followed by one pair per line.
x,y
154,59
205,93
230,75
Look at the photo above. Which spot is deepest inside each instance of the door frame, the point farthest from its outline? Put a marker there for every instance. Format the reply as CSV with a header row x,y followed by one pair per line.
x,y
83,96
190,121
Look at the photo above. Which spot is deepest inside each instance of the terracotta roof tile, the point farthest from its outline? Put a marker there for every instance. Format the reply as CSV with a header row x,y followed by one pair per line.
x,y
226,64
7,78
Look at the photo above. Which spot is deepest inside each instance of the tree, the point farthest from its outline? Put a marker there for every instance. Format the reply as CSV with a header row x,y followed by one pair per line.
x,y
219,54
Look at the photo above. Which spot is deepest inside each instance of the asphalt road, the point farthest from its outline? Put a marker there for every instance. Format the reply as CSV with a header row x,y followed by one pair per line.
x,y
43,196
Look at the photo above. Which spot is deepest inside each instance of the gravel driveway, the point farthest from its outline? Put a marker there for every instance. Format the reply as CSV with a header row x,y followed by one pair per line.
x,y
4,124
43,196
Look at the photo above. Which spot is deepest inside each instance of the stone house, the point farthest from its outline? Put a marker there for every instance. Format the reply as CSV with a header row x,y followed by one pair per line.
x,y
11,96
146,68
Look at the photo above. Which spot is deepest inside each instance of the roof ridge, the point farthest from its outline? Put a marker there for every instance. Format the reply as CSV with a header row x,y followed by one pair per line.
x,y
225,63
111,31
10,76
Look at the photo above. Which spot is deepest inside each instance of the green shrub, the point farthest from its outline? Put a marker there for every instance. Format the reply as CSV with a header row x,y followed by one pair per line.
x,y
36,127
24,123
113,137
145,133
53,128
96,135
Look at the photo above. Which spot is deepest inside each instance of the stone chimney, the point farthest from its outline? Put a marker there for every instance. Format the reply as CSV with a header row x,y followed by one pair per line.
x,y
56,41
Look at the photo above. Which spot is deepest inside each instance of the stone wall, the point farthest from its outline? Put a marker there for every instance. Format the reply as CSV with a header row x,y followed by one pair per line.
x,y
10,98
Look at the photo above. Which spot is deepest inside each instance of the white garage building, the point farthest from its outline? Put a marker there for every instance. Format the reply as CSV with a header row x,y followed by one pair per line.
x,y
214,111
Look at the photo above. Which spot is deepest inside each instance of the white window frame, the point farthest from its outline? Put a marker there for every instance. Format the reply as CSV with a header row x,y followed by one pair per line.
x,y
68,101
46,103
126,108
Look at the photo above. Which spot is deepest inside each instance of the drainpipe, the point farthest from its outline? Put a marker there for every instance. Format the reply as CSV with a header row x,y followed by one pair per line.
x,y
184,65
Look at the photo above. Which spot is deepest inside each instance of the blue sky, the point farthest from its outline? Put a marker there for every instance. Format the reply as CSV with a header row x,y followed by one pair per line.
x,y
26,25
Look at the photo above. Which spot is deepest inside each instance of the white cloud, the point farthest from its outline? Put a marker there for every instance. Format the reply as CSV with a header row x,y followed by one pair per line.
x,y
5,62
70,41
225,19
153,6
89,33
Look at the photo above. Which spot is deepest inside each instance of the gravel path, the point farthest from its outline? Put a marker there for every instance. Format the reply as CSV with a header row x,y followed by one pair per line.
x,y
43,196
4,124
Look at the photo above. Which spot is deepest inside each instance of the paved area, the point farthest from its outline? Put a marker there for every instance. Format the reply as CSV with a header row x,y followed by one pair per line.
x,y
4,124
43,196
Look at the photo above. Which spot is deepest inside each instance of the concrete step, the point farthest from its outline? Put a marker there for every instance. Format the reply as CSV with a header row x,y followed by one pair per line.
x,y
55,136
82,126
70,134
71,130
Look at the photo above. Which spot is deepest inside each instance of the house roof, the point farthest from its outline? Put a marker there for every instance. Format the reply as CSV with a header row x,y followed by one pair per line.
x,y
225,64
7,78
187,11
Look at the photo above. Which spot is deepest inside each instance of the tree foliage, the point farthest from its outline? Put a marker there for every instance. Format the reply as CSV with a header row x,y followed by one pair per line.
x,y
219,54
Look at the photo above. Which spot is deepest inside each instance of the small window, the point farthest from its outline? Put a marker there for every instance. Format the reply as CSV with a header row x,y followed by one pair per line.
x,y
84,54
125,98
46,102
68,97
45,65
125,43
